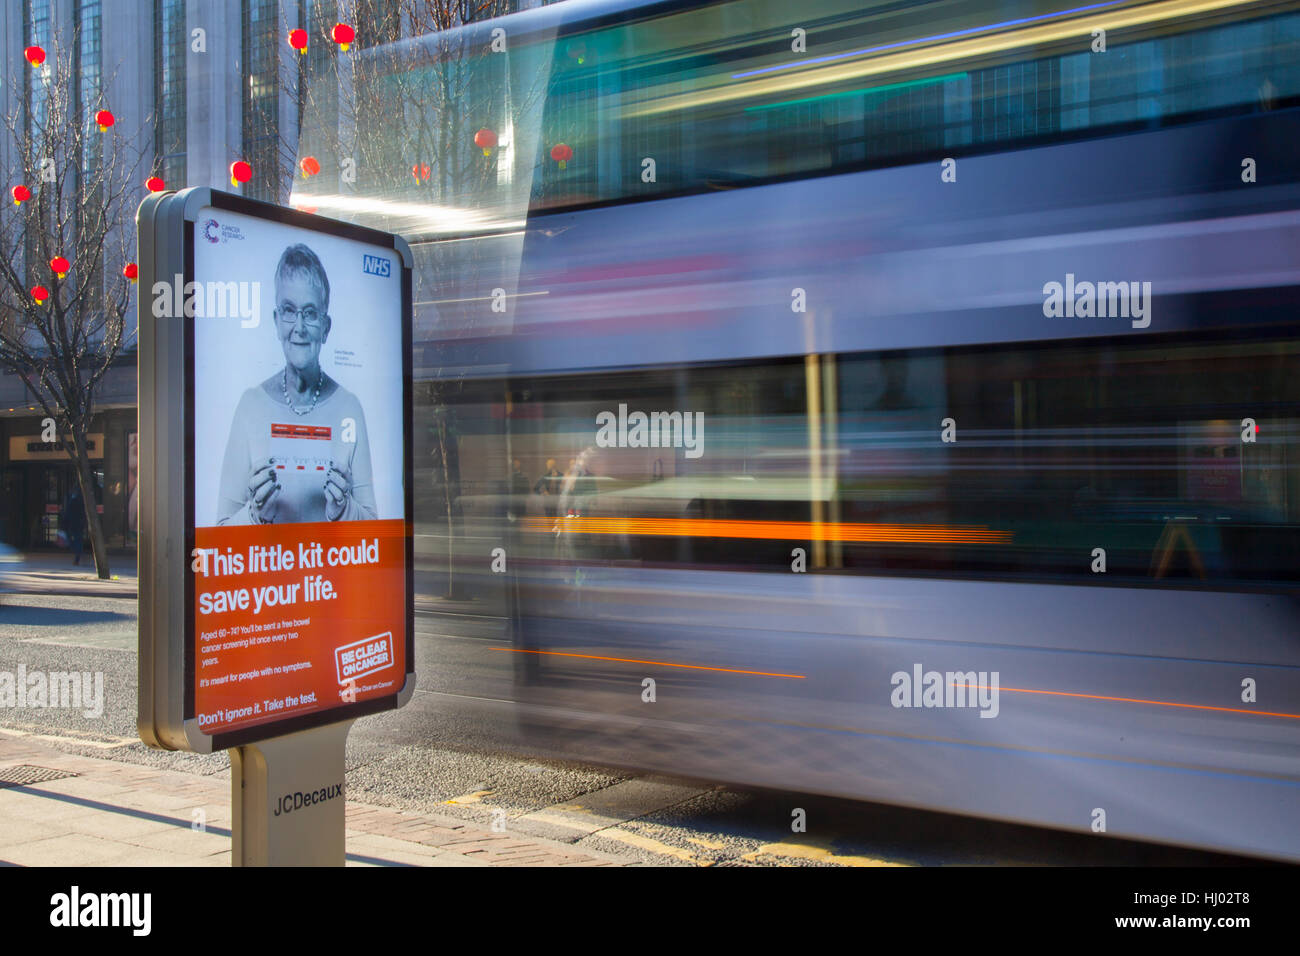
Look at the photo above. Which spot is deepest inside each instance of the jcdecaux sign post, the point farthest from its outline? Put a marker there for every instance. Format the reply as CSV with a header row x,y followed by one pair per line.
x,y
275,456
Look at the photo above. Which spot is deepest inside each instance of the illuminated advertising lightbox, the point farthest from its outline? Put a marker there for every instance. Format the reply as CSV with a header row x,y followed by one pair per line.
x,y
298,467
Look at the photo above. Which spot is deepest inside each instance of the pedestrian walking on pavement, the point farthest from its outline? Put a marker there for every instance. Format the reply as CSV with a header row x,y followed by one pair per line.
x,y
548,486
73,522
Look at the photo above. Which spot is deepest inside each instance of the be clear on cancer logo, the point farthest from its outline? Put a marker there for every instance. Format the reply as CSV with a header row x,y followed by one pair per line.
x,y
364,657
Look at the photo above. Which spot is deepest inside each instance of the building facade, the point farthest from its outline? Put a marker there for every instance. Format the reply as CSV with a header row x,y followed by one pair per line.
x,y
196,84
36,476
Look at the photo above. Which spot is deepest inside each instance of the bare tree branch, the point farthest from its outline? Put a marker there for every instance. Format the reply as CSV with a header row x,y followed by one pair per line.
x,y
84,183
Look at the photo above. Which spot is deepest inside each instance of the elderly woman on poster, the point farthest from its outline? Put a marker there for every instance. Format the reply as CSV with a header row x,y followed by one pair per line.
x,y
298,449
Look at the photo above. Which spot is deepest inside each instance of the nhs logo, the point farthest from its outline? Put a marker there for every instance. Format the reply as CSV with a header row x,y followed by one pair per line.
x,y
376,266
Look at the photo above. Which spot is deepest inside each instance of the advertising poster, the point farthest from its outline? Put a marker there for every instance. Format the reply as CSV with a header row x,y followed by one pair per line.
x,y
298,471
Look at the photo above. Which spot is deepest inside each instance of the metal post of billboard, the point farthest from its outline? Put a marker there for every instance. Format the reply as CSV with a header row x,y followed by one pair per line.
x,y
267,632
287,799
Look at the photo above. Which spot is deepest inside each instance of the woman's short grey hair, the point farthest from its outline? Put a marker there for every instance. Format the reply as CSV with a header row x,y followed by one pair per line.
x,y
298,258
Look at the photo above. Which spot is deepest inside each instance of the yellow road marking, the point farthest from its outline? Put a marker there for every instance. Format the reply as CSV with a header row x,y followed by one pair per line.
x,y
707,844
651,844
815,851
474,797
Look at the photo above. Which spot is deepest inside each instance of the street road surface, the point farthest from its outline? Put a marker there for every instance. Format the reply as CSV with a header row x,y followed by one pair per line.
x,y
453,749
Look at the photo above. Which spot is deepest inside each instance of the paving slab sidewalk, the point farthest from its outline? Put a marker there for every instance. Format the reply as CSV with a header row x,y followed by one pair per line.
x,y
54,573
106,813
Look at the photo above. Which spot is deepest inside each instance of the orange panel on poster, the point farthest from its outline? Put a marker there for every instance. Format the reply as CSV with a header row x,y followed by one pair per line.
x,y
294,619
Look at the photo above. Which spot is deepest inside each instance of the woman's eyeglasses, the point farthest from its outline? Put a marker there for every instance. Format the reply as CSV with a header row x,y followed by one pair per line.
x,y
310,316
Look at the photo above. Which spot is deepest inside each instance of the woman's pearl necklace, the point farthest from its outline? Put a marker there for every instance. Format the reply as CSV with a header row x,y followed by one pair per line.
x,y
284,384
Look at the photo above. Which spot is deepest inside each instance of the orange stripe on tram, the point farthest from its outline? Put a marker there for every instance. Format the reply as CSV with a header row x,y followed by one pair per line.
x,y
1139,700
629,660
773,530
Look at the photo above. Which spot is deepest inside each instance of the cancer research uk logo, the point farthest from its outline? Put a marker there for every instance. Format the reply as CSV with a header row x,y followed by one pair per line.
x,y
214,232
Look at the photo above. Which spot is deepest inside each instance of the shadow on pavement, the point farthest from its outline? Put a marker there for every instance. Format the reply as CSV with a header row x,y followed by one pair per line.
x,y
26,615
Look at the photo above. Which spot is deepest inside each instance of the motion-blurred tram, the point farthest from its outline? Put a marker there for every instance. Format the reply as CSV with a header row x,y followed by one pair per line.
x,y
986,314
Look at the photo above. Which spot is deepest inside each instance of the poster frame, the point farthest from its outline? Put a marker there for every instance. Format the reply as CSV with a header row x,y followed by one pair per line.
x,y
168,648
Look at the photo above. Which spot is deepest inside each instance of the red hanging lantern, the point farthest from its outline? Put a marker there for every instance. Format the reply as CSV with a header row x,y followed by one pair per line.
x,y
343,35
35,55
310,166
240,172
421,171
21,194
131,271
298,40
105,119
562,153
485,139
60,266
155,184
40,294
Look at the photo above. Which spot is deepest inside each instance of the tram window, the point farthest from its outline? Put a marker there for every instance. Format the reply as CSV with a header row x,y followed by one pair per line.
x,y
654,90
704,93
1138,450
1059,449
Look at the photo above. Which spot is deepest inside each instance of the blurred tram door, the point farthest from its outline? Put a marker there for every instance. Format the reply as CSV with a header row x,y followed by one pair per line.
x,y
823,493
518,550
